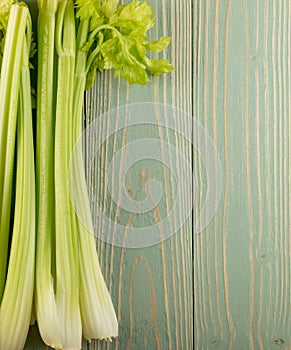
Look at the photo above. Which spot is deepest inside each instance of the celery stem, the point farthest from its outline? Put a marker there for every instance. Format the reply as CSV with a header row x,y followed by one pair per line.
x,y
46,310
16,305
9,90
67,258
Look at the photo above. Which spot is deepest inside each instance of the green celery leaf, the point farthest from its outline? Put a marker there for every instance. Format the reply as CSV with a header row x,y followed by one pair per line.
x,y
108,7
117,39
90,9
157,67
4,13
117,52
135,15
134,74
32,50
158,45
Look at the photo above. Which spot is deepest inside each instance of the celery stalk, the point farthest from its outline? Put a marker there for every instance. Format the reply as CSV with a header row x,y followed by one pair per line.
x,y
57,301
94,295
98,314
67,259
45,303
16,305
9,88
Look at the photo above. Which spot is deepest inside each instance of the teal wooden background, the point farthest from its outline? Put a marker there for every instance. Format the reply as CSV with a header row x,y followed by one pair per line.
x,y
242,97
228,287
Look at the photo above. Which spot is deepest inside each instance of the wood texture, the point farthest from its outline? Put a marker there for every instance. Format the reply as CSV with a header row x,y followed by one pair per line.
x,y
242,93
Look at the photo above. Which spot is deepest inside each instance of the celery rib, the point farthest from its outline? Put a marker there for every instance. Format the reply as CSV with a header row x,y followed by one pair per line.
x,y
45,303
67,259
98,315
16,305
9,89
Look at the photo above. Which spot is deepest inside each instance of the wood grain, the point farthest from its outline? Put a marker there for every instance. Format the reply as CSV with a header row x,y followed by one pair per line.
x,y
242,94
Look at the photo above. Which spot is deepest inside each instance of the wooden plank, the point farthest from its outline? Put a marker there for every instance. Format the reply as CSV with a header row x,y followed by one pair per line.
x,y
242,94
151,287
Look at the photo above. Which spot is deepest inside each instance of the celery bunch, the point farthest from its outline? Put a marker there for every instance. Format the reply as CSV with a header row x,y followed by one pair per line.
x,y
75,38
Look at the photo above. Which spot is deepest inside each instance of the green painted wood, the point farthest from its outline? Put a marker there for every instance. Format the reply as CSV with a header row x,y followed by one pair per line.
x,y
242,94
151,287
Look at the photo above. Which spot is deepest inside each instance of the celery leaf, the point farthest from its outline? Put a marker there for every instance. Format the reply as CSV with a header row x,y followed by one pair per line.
x,y
118,39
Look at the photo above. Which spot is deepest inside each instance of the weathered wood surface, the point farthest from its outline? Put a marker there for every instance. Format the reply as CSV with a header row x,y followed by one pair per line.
x,y
242,97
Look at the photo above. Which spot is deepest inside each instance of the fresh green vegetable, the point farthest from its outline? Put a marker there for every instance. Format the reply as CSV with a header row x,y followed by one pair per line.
x,y
117,38
57,291
101,323
67,259
45,304
108,37
16,22
17,281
